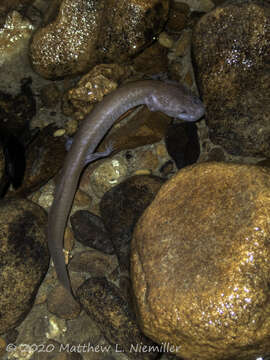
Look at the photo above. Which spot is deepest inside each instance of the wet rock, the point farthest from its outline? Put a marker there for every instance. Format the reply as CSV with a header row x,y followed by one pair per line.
x,y
24,259
66,46
153,60
102,301
146,161
93,262
33,328
62,304
15,31
183,144
54,351
128,27
101,177
108,31
200,263
122,206
92,87
44,158
90,231
83,331
231,50
145,127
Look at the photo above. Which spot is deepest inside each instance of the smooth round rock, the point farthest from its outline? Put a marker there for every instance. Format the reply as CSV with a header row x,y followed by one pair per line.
x,y
201,262
82,33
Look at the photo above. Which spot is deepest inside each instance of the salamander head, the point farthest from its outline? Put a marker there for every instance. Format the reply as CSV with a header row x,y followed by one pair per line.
x,y
176,101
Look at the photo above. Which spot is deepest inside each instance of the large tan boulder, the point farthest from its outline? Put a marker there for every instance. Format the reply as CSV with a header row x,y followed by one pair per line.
x,y
201,263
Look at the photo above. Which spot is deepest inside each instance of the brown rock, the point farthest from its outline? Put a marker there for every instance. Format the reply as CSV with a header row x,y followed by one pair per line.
x,y
121,207
129,26
85,32
61,303
231,48
66,46
153,60
89,230
94,262
24,259
200,263
103,302
145,127
15,31
92,87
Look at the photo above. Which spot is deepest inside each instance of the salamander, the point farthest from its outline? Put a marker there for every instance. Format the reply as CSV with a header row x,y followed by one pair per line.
x,y
172,99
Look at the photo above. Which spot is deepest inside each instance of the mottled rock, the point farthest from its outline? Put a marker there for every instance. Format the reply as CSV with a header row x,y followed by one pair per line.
x,y
103,302
85,32
24,259
122,206
83,330
200,263
183,144
14,33
103,176
93,262
89,229
62,304
66,46
35,326
128,27
92,87
231,49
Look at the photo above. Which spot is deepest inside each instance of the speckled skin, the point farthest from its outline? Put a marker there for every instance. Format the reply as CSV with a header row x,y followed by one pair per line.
x,y
174,100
